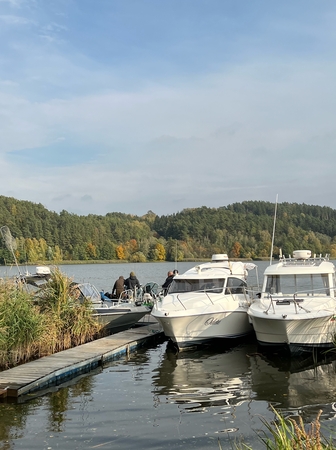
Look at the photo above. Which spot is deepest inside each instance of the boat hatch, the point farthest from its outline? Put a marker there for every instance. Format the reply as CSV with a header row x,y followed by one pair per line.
x,y
288,301
220,257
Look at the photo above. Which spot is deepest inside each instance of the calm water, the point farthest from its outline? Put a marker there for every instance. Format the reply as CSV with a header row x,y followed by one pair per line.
x,y
157,399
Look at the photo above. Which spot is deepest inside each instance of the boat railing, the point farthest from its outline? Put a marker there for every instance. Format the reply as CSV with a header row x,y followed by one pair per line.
x,y
315,260
126,296
178,298
286,300
143,295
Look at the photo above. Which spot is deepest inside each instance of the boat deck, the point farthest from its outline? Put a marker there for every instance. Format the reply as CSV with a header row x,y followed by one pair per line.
x,y
55,369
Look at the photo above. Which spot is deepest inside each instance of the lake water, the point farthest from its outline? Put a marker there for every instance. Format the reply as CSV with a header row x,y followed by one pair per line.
x,y
159,399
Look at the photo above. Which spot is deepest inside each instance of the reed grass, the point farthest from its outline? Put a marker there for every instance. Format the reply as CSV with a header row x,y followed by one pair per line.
x,y
33,325
70,322
291,434
21,325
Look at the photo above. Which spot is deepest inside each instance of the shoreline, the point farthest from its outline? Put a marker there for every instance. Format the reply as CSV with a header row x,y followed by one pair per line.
x,y
111,261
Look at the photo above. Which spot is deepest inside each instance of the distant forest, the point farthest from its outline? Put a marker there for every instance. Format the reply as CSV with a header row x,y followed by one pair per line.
x,y
243,230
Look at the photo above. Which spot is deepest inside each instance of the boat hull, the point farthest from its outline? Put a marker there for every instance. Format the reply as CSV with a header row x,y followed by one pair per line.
x,y
119,319
189,330
309,332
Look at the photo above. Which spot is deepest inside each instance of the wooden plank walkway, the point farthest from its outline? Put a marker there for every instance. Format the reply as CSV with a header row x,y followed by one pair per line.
x,y
59,367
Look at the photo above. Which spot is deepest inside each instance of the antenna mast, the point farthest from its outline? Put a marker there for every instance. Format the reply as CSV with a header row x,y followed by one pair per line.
x,y
275,211
10,243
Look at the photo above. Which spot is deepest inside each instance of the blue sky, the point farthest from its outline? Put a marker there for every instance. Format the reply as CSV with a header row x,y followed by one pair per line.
x,y
137,105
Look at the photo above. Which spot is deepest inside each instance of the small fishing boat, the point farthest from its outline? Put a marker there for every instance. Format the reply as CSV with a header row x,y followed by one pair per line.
x,y
207,302
297,305
115,314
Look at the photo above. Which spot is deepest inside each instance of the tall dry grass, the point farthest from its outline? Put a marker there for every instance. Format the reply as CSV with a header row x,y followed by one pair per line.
x,y
21,325
43,323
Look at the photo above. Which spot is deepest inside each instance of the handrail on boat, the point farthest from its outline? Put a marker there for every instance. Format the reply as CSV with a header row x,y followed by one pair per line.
x,y
180,302
286,301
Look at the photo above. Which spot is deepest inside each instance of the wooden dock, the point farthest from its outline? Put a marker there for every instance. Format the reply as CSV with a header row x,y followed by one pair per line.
x,y
57,368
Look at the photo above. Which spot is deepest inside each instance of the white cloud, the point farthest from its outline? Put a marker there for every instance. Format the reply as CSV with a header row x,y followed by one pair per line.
x,y
13,20
14,3
249,130
259,111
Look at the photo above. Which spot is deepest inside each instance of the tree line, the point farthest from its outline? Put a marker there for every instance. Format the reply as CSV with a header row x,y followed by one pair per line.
x,y
243,230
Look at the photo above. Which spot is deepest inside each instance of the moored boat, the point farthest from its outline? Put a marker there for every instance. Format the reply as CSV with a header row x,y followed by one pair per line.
x,y
114,314
207,302
297,305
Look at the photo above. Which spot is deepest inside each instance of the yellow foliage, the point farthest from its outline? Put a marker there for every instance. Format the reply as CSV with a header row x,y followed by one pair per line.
x,y
235,252
91,250
160,252
120,252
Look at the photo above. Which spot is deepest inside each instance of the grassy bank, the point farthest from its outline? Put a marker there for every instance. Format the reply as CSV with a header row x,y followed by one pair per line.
x,y
33,325
291,434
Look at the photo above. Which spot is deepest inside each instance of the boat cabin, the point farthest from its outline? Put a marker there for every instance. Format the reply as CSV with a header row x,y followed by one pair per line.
x,y
232,285
300,275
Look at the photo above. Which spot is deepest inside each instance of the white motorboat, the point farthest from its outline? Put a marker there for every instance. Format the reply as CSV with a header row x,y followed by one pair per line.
x,y
207,302
297,305
116,314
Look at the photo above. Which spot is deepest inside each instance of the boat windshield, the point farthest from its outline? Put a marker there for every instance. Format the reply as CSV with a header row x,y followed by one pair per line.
x,y
213,285
309,284
89,291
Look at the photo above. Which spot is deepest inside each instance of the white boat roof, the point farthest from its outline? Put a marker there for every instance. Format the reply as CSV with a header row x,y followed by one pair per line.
x,y
218,267
295,266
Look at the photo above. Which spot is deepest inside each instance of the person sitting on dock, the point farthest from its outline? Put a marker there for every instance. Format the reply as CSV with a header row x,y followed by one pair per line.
x,y
119,287
168,282
132,282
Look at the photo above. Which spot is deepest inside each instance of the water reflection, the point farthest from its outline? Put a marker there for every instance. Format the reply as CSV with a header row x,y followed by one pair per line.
x,y
169,398
56,402
202,379
303,384
294,385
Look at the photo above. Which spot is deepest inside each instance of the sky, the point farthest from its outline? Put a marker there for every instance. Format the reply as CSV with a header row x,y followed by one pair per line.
x,y
137,105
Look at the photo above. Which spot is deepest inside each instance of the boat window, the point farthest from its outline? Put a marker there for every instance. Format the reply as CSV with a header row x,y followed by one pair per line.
x,y
214,285
309,284
235,286
89,291
273,284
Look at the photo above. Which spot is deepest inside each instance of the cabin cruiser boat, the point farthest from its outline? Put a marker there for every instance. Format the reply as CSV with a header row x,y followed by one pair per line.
x,y
297,305
206,302
115,314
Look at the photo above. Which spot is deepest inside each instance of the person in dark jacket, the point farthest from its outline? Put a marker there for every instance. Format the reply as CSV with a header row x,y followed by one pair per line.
x,y
132,282
168,282
118,287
